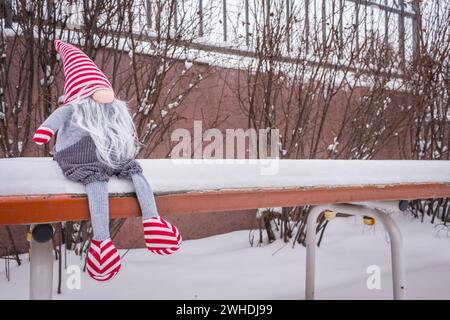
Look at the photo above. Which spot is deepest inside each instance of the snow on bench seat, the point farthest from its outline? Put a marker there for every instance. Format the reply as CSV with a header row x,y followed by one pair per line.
x,y
32,176
33,190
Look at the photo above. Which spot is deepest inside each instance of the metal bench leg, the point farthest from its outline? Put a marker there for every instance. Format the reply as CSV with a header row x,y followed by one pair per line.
x,y
41,263
311,242
397,260
397,256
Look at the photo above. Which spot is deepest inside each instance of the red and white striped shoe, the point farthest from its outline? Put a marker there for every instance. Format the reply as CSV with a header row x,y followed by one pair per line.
x,y
103,260
161,237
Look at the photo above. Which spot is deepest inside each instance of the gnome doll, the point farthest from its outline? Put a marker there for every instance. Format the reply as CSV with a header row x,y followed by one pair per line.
x,y
96,140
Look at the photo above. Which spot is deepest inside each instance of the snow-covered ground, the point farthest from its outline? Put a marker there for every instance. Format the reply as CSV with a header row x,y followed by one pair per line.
x,y
226,267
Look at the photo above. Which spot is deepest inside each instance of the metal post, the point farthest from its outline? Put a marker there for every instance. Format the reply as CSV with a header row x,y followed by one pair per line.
x,y
289,23
200,16
41,263
397,259
417,27
311,244
148,14
324,24
247,24
401,33
224,18
306,33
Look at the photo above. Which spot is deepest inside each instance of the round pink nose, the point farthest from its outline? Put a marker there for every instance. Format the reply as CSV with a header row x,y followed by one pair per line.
x,y
103,96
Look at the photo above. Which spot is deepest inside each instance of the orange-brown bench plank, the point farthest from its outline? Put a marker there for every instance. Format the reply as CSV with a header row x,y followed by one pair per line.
x,y
29,209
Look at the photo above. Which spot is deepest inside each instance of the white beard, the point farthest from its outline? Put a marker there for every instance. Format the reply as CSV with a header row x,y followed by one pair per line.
x,y
110,126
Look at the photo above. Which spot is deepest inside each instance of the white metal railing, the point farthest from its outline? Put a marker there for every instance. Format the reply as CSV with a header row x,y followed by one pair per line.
x,y
234,21
231,27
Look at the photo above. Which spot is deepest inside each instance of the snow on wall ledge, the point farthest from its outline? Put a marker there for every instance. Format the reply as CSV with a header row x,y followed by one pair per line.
x,y
30,176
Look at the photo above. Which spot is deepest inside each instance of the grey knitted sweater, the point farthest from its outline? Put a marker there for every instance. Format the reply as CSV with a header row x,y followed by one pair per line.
x,y
68,133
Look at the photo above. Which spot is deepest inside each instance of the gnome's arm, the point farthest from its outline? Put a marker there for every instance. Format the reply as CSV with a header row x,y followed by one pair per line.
x,y
46,131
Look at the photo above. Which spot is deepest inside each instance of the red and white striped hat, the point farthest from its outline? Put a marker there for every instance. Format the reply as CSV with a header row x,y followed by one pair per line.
x,y
83,77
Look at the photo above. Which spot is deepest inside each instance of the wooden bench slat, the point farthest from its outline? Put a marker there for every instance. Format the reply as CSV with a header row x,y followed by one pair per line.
x,y
23,209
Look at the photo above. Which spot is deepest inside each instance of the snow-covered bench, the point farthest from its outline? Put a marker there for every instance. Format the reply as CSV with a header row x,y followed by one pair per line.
x,y
33,191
